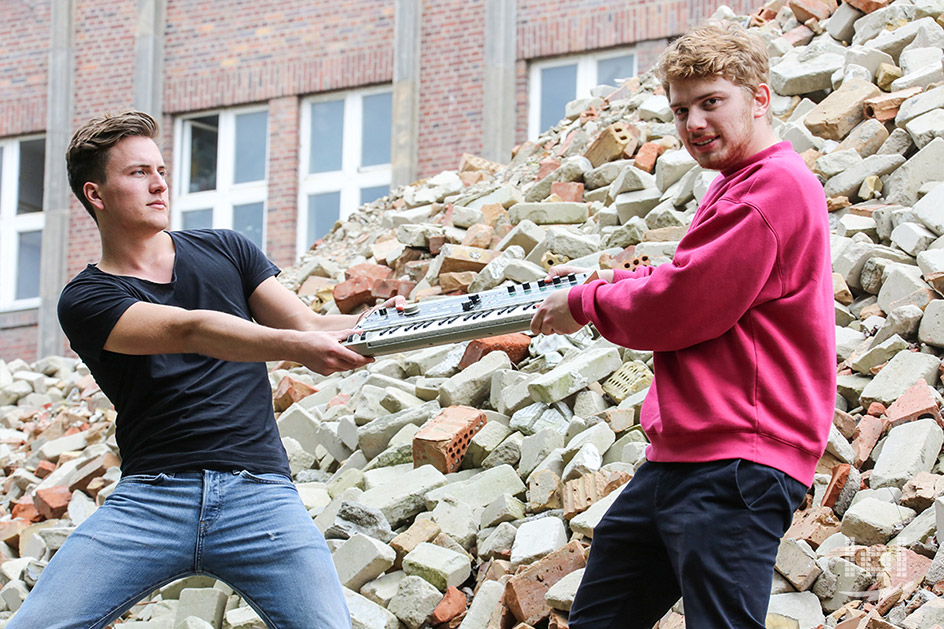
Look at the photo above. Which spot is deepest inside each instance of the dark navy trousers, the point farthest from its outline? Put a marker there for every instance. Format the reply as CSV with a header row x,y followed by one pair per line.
x,y
707,532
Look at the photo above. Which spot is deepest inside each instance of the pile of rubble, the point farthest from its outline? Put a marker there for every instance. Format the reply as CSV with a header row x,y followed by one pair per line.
x,y
459,486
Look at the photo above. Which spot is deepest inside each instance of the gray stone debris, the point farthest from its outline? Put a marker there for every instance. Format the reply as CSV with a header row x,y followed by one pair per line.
x,y
556,429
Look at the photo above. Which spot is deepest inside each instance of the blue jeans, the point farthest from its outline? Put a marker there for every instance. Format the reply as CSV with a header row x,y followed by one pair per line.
x,y
250,531
707,532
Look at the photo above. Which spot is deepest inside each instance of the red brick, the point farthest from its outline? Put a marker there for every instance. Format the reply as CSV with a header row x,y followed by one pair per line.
x,y
314,284
289,391
915,403
452,604
52,502
351,294
580,494
443,441
25,509
516,345
836,484
480,234
494,214
546,166
614,141
568,190
93,469
868,6
815,9
10,530
876,409
372,272
436,243
385,289
44,469
647,156
868,432
813,526
799,36
524,592
457,281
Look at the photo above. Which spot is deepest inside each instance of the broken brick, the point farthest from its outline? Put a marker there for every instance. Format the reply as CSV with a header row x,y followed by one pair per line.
x,y
25,509
53,502
515,345
93,469
443,441
452,604
917,402
524,592
647,156
289,391
351,294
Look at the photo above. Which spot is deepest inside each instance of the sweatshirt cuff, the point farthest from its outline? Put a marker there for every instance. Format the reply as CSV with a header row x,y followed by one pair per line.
x,y
575,302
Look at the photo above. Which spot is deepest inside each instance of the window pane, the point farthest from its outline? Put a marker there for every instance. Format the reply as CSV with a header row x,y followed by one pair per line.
x,y
32,167
611,71
204,135
375,137
248,220
558,87
197,219
27,260
251,132
327,128
323,211
374,193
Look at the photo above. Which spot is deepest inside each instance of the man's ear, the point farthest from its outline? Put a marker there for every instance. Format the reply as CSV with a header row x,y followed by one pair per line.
x,y
92,194
761,100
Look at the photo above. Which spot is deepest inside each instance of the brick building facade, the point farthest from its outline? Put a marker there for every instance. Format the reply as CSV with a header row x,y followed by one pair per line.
x,y
303,79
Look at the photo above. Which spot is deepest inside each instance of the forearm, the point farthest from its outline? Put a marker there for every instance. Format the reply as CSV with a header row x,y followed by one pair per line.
x,y
228,337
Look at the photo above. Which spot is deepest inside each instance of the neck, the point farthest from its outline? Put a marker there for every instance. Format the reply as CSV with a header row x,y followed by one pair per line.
x,y
149,256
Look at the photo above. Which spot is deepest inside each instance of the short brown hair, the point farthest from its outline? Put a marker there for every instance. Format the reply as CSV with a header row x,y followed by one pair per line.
x,y
91,144
714,49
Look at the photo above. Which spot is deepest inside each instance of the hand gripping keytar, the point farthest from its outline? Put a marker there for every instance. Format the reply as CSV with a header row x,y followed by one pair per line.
x,y
454,319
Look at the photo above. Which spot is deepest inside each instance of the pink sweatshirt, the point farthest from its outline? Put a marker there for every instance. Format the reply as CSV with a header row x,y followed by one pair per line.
x,y
741,323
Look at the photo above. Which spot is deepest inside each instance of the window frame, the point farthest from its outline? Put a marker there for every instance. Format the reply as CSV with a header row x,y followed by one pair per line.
x,y
13,224
351,178
586,78
227,194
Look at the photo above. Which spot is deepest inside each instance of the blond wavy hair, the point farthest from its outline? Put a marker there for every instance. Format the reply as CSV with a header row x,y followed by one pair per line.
x,y
714,49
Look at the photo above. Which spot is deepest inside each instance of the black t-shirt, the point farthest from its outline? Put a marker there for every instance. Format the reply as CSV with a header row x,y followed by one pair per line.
x,y
181,412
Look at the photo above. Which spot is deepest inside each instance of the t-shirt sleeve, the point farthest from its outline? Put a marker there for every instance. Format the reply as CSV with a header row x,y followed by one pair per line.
x,y
254,266
88,310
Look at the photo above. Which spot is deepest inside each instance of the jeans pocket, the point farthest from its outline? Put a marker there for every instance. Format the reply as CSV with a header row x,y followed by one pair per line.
x,y
148,479
268,478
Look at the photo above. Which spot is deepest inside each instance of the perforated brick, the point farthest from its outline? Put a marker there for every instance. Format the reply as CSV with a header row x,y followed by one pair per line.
x,y
443,441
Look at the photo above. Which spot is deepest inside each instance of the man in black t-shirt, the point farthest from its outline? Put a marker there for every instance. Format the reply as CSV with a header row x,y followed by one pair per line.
x,y
176,327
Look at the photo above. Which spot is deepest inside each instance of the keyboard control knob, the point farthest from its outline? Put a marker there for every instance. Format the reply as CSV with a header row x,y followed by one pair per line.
x,y
557,280
411,309
382,312
511,290
572,278
467,306
475,298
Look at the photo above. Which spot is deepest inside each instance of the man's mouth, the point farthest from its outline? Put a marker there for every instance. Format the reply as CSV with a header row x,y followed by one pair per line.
x,y
704,141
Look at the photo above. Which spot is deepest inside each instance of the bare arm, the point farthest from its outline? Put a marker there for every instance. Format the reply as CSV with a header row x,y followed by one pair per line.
x,y
275,306
146,328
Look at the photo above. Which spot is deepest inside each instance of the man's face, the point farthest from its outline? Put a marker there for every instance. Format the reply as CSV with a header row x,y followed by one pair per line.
x,y
717,120
134,194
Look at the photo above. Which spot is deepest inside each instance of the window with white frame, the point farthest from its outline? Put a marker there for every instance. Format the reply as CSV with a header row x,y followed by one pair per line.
x,y
221,165
22,165
345,157
556,82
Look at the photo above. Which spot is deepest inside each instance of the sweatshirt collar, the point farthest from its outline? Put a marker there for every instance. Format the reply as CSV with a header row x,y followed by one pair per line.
x,y
758,157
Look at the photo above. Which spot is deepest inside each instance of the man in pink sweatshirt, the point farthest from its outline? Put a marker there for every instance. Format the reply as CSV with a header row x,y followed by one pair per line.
x,y
741,326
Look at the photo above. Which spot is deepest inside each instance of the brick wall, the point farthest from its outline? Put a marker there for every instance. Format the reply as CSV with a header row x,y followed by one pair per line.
x,y
18,335
24,62
282,217
104,81
452,65
219,54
